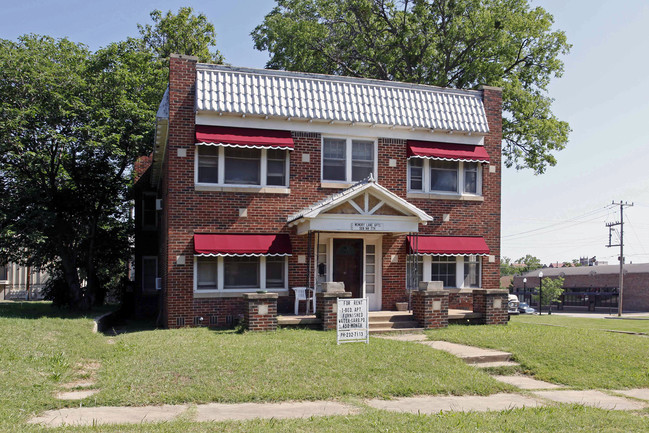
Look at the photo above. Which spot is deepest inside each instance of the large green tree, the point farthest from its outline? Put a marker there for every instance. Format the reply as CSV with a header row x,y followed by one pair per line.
x,y
72,123
449,43
181,33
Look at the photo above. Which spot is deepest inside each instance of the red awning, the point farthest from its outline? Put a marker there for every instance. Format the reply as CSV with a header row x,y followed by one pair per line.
x,y
242,244
447,151
448,245
244,137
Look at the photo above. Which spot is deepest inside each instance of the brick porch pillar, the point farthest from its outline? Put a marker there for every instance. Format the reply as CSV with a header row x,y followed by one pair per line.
x,y
261,311
430,305
492,303
327,304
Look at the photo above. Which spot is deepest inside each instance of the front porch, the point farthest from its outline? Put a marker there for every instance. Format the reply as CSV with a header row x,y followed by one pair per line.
x,y
382,321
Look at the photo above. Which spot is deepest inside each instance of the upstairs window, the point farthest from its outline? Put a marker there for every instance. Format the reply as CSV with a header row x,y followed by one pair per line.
x,y
238,166
347,160
149,214
444,177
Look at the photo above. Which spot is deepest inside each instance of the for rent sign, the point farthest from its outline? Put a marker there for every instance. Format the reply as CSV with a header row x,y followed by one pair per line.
x,y
353,320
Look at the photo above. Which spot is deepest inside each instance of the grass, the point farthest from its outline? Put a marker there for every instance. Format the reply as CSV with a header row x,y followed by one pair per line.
x,y
576,357
624,325
42,348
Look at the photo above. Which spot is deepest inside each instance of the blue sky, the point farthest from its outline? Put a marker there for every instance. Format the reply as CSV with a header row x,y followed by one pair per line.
x,y
604,95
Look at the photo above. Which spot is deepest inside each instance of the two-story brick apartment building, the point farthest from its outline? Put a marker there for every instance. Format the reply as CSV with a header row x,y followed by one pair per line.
x,y
268,180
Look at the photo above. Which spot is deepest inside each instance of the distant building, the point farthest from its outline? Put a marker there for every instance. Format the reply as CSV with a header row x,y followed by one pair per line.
x,y
21,282
594,287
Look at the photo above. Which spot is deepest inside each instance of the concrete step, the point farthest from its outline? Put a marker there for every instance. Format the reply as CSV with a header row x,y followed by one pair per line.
x,y
390,316
497,364
397,330
394,325
469,354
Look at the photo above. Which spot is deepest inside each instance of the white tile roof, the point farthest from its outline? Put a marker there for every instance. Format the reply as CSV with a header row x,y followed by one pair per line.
x,y
297,95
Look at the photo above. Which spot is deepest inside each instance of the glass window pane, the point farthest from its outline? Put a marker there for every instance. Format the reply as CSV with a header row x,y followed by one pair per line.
x,y
334,158
370,249
149,217
416,166
443,269
472,271
369,288
275,272
470,177
240,272
206,268
276,172
208,164
362,159
149,273
242,166
443,176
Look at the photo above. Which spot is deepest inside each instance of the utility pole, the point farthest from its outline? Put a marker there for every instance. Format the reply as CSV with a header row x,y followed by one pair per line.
x,y
621,245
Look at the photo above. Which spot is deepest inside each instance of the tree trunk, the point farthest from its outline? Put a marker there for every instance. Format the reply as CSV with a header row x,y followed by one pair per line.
x,y
71,274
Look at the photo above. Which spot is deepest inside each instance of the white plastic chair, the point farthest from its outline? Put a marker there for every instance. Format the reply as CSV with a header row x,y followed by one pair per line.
x,y
302,294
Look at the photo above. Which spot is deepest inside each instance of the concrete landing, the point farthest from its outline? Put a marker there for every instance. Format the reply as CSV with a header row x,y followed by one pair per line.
x,y
639,393
246,411
76,395
524,382
469,354
591,398
108,415
433,405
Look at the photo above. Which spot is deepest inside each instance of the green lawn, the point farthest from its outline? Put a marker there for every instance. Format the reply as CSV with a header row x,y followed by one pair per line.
x,y
626,325
577,357
41,349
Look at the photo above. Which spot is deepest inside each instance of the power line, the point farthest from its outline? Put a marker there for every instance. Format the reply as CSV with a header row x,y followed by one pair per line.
x,y
571,222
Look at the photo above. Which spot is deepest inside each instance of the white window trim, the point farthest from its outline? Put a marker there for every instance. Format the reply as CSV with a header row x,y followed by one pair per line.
x,y
222,292
425,181
263,170
332,183
147,289
459,271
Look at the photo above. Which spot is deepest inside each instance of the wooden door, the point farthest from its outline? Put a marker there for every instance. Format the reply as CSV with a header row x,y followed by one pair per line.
x,y
348,264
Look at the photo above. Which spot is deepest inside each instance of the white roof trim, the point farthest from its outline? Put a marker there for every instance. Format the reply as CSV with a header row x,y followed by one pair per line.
x,y
368,185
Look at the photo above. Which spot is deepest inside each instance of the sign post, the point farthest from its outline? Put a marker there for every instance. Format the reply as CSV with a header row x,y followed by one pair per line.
x,y
353,321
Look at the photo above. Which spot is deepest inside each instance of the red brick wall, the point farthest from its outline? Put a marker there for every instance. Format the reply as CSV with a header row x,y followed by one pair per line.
x,y
187,211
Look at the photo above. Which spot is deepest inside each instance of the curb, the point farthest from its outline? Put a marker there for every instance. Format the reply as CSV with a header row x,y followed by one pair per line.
x,y
101,322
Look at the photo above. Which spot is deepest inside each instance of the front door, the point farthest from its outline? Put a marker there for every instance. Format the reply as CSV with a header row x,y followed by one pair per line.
x,y
348,264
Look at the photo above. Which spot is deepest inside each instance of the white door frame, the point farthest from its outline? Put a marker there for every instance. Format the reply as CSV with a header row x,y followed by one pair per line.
x,y
375,299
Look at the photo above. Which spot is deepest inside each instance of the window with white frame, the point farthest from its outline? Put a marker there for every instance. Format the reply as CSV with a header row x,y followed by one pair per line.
x,y
444,269
239,166
347,160
454,272
240,273
471,271
149,273
445,177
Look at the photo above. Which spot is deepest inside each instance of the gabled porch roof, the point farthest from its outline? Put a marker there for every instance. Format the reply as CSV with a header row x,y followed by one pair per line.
x,y
365,206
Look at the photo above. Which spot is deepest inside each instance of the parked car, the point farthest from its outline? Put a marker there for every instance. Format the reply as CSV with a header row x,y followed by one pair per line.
x,y
524,308
512,304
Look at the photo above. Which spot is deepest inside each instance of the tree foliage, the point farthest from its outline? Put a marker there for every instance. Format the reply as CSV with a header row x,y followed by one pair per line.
x,y
182,33
552,290
449,43
72,123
